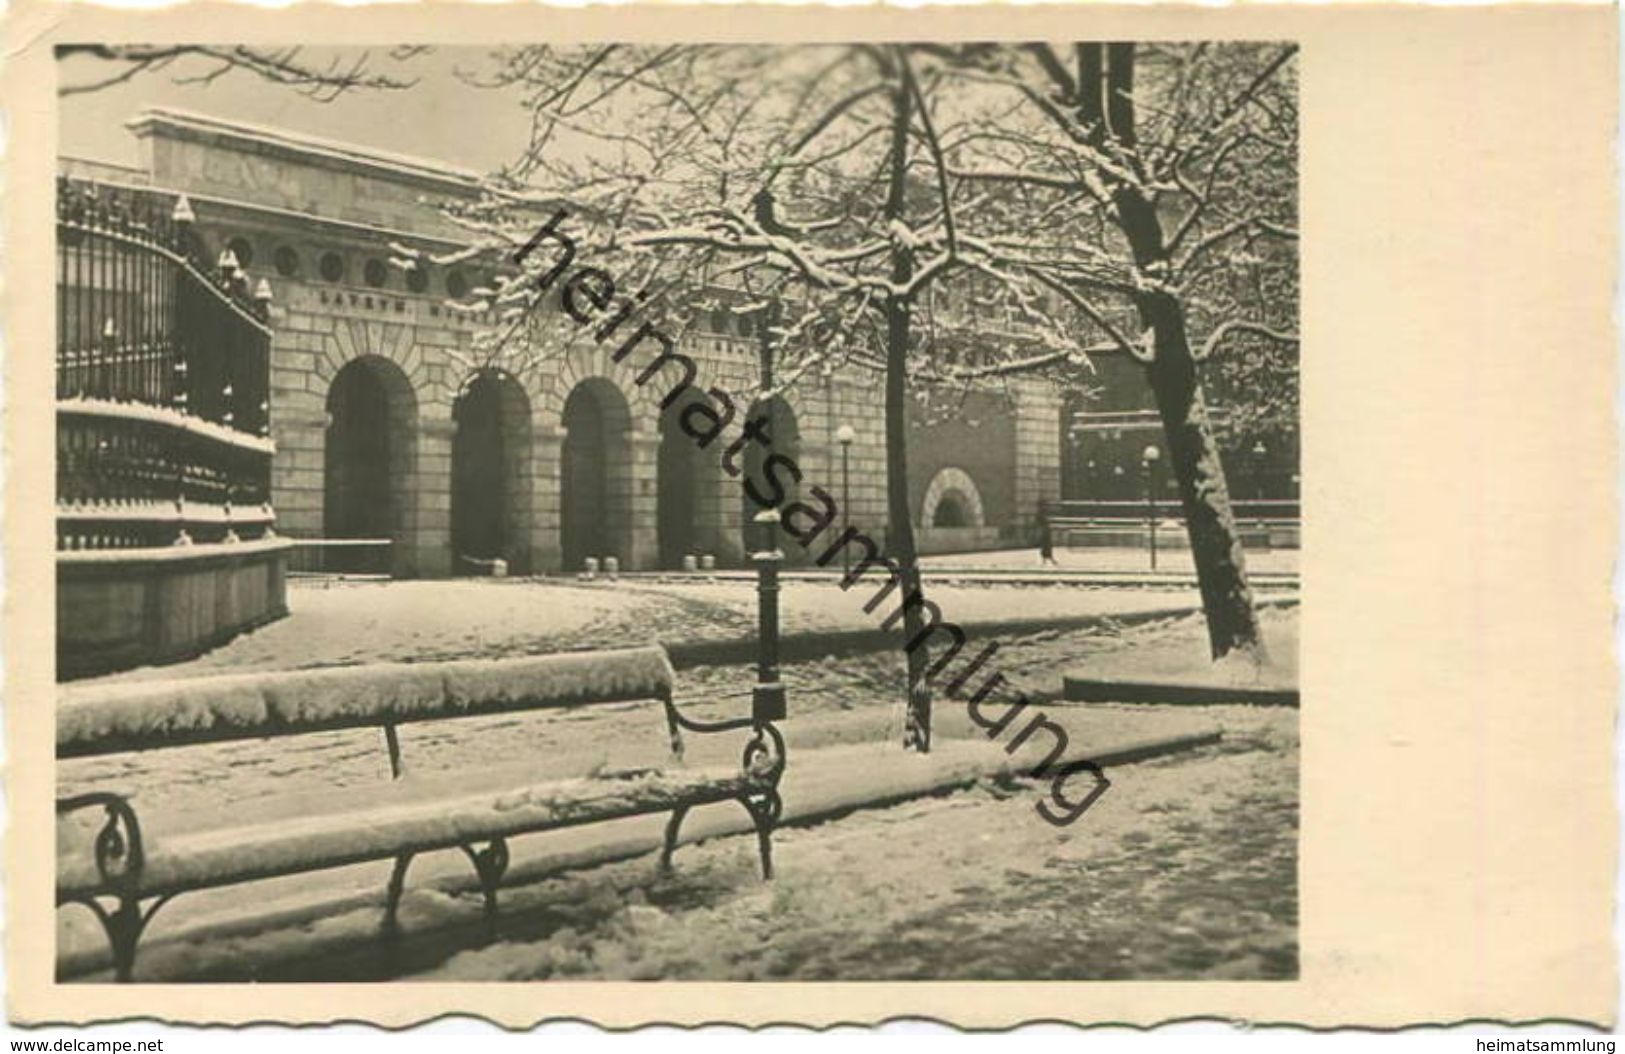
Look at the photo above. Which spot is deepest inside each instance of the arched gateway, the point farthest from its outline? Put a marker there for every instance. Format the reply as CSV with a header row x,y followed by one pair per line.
x,y
371,430
489,452
680,472
784,431
595,478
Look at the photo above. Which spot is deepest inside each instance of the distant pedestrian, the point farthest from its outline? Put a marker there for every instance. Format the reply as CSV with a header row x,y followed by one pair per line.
x,y
1046,543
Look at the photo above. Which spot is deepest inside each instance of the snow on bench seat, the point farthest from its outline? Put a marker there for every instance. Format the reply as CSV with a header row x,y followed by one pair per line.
x,y
106,852
382,829
143,715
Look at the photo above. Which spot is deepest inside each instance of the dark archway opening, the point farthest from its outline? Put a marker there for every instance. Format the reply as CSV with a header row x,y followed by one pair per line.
x,y
679,475
951,511
371,414
595,474
488,451
784,435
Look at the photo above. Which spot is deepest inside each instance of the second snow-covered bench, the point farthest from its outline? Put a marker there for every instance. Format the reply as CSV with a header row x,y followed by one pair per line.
x,y
105,863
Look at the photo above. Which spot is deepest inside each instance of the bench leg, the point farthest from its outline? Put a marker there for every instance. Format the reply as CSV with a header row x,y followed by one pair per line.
x,y
124,925
673,825
764,813
392,895
490,864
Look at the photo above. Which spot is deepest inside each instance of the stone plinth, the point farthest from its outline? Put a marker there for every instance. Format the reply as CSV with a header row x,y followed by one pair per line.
x,y
120,608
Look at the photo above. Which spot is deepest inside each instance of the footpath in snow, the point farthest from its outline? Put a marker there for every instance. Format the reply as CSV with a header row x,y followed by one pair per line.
x,y
347,622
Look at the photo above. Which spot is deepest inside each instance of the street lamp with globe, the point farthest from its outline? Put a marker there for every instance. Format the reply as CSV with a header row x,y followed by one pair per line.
x,y
1149,459
844,435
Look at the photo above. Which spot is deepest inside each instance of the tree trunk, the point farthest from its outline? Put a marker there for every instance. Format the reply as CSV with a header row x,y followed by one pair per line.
x,y
900,536
1193,453
917,724
1193,457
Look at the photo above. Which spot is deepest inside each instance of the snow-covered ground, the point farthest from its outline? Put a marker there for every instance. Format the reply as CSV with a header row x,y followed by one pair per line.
x,y
1185,868
343,622
1164,653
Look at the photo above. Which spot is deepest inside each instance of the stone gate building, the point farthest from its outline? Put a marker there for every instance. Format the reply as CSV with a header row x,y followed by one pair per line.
x,y
386,426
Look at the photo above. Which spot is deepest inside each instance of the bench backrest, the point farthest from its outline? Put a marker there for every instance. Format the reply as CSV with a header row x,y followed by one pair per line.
x,y
144,715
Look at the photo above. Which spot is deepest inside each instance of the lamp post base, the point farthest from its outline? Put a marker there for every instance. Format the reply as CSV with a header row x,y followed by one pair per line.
x,y
767,702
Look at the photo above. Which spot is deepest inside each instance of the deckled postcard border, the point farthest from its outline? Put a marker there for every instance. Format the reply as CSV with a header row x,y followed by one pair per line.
x,y
1458,827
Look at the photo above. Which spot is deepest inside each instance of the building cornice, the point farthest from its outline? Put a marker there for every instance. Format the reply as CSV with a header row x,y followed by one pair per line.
x,y
297,146
294,218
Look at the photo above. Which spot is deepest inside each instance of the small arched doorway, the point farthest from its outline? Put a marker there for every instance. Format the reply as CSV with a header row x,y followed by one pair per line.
x,y
783,437
952,500
488,452
679,474
595,474
371,424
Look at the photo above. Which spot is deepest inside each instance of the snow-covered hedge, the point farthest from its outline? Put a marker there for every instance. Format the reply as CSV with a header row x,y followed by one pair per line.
x,y
106,718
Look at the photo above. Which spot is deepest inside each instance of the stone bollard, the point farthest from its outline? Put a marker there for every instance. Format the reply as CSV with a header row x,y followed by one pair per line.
x,y
690,564
499,568
708,562
589,569
612,567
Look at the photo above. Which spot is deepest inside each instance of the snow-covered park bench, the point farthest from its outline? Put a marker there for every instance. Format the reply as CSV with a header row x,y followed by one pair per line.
x,y
106,864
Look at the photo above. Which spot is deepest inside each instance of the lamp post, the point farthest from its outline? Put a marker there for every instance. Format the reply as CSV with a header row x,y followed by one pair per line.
x,y
844,436
1259,451
1150,458
767,699
765,319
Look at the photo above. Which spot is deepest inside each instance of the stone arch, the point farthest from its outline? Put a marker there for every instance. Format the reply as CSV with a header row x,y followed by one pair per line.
x,y
490,472
596,484
742,383
591,363
952,491
396,342
369,453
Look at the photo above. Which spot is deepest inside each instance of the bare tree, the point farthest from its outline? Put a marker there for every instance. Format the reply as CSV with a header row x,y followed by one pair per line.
x,y
858,196
1177,167
288,66
813,178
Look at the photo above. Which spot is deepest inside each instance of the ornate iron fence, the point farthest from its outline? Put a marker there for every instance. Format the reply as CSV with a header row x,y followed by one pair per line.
x,y
162,378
